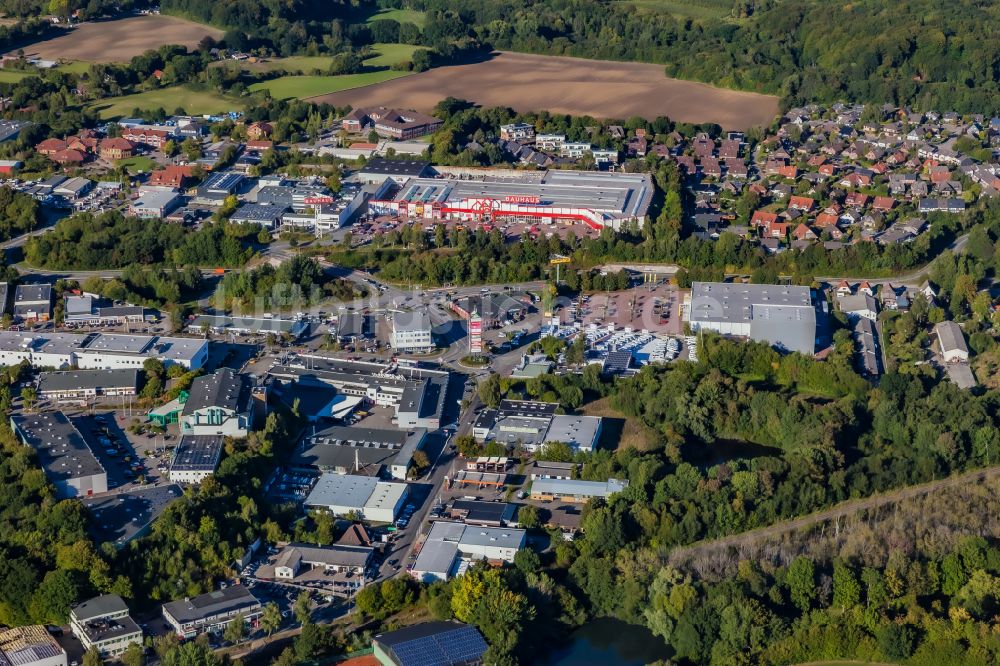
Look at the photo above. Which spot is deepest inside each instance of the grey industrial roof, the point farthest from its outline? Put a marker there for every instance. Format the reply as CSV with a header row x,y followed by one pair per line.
x,y
781,315
735,303
411,321
119,343
573,430
342,456
121,517
578,487
224,388
866,343
120,311
500,537
230,600
107,604
32,293
434,644
484,512
950,337
858,302
197,453
492,305
355,325
437,557
150,198
336,554
527,408
62,450
346,490
82,304
551,465
258,212
106,629
88,379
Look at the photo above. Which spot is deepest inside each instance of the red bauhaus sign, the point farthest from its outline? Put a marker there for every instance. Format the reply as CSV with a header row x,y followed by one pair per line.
x,y
317,200
521,198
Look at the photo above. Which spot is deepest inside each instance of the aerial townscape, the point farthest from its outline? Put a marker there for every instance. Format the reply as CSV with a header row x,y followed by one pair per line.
x,y
462,333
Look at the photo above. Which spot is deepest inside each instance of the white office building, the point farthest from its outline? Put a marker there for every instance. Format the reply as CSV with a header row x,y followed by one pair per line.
x,y
411,331
99,351
104,623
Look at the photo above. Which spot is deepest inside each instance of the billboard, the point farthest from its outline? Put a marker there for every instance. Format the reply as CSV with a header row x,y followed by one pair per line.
x,y
521,199
475,334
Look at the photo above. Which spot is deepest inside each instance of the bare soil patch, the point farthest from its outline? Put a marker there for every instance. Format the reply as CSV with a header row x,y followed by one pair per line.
x,y
620,431
121,39
599,88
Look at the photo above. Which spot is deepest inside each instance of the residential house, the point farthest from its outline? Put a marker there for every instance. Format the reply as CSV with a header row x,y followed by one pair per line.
x,y
762,218
259,131
804,233
883,203
801,203
858,305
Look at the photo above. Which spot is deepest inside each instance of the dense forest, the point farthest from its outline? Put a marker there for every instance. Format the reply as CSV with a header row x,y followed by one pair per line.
x,y
19,213
110,240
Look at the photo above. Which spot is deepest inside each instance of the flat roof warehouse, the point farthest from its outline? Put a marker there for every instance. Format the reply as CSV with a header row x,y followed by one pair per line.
x,y
596,199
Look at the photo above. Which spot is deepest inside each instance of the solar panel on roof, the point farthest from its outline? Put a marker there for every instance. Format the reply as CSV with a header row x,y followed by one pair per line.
x,y
458,646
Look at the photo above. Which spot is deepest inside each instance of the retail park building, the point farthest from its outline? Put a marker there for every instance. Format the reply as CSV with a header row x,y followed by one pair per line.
x,y
597,200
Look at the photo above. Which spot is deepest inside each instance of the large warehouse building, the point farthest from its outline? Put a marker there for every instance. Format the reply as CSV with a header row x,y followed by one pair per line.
x,y
366,496
63,453
596,199
781,315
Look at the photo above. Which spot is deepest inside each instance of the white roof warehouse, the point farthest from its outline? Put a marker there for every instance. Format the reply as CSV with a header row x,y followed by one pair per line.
x,y
596,199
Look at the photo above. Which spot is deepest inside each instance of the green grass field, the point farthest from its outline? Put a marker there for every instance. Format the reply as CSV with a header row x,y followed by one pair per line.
x,y
389,54
74,67
287,87
192,101
400,16
13,75
138,164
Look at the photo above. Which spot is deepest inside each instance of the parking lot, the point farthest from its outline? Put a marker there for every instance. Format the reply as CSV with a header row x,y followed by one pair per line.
x,y
131,460
654,308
